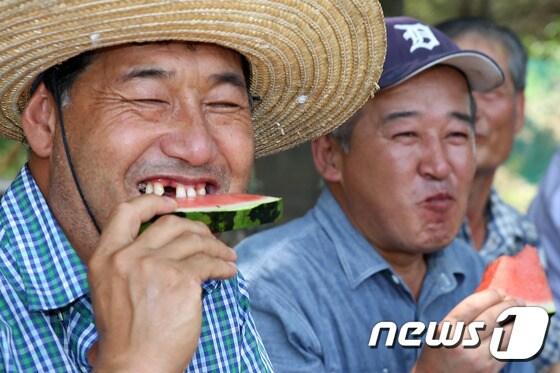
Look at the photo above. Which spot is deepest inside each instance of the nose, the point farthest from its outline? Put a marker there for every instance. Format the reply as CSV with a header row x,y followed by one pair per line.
x,y
190,138
434,163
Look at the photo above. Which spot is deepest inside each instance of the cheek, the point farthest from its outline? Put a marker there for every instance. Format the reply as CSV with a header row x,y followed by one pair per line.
x,y
236,145
385,173
124,141
462,159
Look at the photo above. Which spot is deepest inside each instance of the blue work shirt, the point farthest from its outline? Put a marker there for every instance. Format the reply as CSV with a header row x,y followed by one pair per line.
x,y
318,287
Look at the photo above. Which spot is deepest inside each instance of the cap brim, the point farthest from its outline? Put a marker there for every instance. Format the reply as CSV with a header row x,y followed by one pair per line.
x,y
482,72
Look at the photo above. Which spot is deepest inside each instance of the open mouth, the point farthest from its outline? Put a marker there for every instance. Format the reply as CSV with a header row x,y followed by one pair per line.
x,y
440,202
174,189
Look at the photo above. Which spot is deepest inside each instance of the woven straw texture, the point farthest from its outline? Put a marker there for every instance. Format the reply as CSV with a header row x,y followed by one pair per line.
x,y
314,62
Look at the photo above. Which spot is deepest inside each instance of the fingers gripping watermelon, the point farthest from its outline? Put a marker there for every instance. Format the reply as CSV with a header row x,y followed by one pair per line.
x,y
522,277
226,212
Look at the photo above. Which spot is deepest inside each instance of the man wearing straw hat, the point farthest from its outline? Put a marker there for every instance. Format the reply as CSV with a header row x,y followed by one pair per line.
x,y
111,96
379,244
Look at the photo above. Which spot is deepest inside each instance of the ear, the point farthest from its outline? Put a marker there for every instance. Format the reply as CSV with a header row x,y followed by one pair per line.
x,y
39,122
519,112
327,156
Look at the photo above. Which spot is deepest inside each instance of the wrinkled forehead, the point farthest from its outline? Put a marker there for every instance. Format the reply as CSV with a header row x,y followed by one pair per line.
x,y
149,50
439,75
487,44
126,56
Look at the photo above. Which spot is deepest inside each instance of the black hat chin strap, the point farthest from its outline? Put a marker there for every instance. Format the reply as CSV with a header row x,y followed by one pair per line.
x,y
71,165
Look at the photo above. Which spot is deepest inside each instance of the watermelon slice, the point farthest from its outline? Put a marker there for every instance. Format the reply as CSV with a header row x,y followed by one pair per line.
x,y
522,277
226,212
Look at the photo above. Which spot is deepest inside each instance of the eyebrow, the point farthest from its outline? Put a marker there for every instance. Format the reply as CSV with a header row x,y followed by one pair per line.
x,y
398,115
229,78
156,73
146,72
466,118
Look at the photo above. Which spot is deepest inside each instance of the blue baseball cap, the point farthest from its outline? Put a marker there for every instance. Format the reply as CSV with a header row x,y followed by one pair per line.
x,y
413,47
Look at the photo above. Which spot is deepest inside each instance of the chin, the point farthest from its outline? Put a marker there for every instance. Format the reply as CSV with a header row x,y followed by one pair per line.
x,y
431,241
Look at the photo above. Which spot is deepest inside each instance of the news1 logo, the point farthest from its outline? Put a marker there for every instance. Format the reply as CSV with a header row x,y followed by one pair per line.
x,y
530,325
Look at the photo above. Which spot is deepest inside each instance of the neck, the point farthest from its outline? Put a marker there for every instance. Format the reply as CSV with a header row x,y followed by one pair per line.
x,y
410,267
39,169
478,201
66,206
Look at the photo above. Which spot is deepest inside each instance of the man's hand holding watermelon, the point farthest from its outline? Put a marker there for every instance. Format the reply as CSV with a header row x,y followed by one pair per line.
x,y
483,306
146,288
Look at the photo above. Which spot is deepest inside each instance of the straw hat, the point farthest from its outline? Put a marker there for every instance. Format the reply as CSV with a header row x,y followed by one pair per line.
x,y
314,62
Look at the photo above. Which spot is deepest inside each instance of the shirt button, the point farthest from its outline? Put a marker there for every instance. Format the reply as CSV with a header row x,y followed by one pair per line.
x,y
445,282
395,279
385,370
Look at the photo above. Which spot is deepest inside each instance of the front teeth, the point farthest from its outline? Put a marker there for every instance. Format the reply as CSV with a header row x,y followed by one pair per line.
x,y
181,191
191,193
158,189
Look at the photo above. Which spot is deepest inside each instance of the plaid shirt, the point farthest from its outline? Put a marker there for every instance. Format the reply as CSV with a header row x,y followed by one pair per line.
x,y
508,232
46,319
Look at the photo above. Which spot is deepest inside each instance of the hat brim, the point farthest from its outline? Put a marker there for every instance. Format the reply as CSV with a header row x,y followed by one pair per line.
x,y
313,63
482,72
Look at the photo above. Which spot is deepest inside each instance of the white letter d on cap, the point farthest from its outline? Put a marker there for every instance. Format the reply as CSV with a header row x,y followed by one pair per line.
x,y
527,336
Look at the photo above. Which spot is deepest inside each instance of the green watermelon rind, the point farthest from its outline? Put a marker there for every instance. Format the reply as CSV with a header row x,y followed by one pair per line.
x,y
235,216
550,308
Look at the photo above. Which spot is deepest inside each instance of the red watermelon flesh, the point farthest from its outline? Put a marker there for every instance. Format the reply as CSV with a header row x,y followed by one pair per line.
x,y
522,277
213,202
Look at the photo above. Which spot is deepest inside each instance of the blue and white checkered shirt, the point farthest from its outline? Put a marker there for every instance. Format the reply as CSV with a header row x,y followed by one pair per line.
x,y
46,319
508,232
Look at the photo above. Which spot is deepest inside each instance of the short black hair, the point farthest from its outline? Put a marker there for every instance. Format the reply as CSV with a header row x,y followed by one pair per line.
x,y
60,78
517,54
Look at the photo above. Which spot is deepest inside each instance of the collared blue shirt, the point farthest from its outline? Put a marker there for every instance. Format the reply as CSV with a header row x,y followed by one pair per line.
x,y
318,287
46,319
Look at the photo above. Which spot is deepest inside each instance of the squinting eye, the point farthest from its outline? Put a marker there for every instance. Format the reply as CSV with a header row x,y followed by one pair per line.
x,y
405,134
460,134
224,106
153,101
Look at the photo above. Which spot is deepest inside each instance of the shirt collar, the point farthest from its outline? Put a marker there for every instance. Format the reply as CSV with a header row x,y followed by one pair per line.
x,y
500,214
358,258
507,229
450,260
53,275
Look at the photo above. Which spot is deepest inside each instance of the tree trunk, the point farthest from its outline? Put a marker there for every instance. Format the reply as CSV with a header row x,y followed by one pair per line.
x,y
393,8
